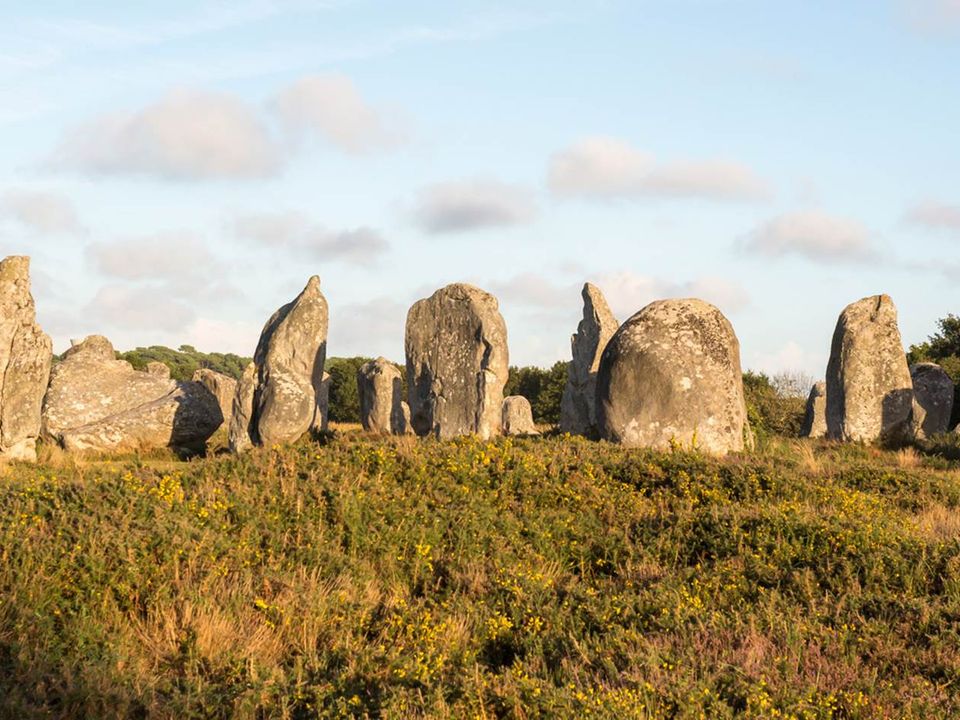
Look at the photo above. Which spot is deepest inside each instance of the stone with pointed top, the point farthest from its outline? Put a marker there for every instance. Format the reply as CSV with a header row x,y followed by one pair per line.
x,y
670,376
815,419
26,353
869,389
457,357
578,413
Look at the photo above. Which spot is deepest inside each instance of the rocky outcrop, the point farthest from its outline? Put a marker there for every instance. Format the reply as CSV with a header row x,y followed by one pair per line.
x,y
933,393
869,389
670,376
516,416
815,419
222,387
26,353
380,387
97,402
288,375
456,349
578,413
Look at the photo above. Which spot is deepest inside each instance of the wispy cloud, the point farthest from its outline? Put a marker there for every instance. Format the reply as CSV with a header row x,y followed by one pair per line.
x,y
295,232
935,216
44,213
461,205
608,168
811,234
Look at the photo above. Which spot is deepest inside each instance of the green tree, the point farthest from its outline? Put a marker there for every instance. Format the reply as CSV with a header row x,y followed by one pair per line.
x,y
186,360
769,411
542,387
344,404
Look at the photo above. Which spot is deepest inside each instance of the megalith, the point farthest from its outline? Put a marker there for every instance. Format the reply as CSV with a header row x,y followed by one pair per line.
x,y
815,418
457,357
578,413
26,353
287,382
670,376
869,389
933,399
380,387
97,402
222,387
516,416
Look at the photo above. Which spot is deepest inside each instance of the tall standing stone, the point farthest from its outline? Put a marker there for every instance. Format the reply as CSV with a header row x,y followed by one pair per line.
x,y
26,353
671,375
241,429
380,387
456,348
578,413
222,387
288,385
815,419
933,399
869,389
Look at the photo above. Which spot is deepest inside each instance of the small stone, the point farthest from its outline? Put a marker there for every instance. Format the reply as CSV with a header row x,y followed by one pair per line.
x,y
517,416
815,419
933,399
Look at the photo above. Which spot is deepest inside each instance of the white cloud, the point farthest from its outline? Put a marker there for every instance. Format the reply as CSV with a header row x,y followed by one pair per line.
x,y
935,215
629,292
163,256
462,205
811,234
371,328
186,135
295,232
140,308
791,357
210,335
608,168
331,107
45,213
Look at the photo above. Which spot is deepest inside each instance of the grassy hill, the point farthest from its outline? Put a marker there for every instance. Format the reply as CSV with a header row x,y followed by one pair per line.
x,y
553,577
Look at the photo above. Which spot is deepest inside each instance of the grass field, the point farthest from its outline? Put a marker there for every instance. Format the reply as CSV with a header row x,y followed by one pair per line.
x,y
554,577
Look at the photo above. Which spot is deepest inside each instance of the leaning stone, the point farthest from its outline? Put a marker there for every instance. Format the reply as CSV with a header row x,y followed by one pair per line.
x,y
183,420
869,389
517,416
670,376
933,399
380,388
456,348
815,419
578,413
26,353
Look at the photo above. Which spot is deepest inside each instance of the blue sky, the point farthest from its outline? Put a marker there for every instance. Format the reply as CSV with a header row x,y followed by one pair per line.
x,y
177,170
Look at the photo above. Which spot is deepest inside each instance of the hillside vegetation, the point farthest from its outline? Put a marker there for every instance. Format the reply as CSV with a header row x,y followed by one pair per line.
x,y
357,577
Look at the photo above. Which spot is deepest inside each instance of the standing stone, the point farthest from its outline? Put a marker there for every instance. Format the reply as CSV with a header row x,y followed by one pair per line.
x,y
97,402
671,375
517,416
380,387
933,399
578,413
288,387
26,353
869,389
222,387
456,348
323,400
815,420
241,426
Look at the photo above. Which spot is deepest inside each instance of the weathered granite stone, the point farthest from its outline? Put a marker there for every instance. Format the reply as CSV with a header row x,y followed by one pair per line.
x,y
517,416
380,387
183,419
25,357
288,390
933,399
405,411
815,419
456,348
671,375
158,369
96,402
869,389
578,413
241,426
222,387
323,400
